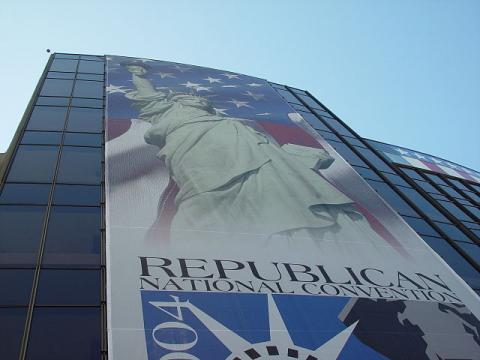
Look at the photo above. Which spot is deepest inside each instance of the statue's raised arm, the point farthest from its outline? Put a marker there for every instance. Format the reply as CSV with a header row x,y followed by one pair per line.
x,y
144,86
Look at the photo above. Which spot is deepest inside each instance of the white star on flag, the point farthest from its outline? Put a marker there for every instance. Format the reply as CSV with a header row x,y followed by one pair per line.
x,y
230,76
113,89
202,88
190,85
254,96
230,86
145,60
403,152
182,68
212,80
220,111
239,104
263,114
165,75
254,85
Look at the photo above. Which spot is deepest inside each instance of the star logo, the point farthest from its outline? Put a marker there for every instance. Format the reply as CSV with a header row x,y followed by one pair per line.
x,y
113,89
165,75
239,104
230,76
212,80
254,96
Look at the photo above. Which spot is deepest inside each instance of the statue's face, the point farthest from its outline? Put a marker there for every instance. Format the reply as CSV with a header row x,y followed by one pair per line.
x,y
137,70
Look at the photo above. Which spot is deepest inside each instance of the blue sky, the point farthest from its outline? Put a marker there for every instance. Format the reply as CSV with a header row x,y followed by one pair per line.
x,y
403,72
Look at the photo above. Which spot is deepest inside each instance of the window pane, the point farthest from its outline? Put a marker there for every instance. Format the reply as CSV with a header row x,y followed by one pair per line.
x,y
83,139
439,197
66,56
69,287
337,126
473,196
413,174
472,250
451,191
33,164
73,237
80,165
420,226
310,102
367,173
41,138
47,118
92,57
16,285
11,331
455,211
287,95
65,332
85,120
44,100
392,198
453,233
95,67
397,180
57,87
60,75
475,211
348,154
455,260
353,141
89,89
458,184
375,160
427,187
423,204
436,179
25,194
329,136
90,77
21,228
66,65
94,103
300,108
77,195
315,122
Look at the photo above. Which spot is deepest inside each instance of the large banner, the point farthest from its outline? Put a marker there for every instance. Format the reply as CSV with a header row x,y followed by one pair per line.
x,y
234,231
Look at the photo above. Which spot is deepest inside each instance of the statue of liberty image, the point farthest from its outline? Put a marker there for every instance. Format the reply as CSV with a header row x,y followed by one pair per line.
x,y
232,177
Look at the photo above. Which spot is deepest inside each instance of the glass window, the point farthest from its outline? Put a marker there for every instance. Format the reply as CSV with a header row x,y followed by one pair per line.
x,y
45,100
455,210
412,174
450,191
348,154
93,103
73,237
397,180
93,67
472,196
439,197
423,204
85,120
454,260
33,164
41,138
11,331
472,250
461,201
329,136
287,95
21,228
92,57
60,75
315,122
83,139
300,108
25,194
353,141
427,187
16,285
65,65
69,287
309,101
476,187
89,89
56,87
95,77
453,233
77,195
367,173
298,91
65,332
80,165
392,198
458,184
474,210
66,56
436,179
322,112
378,163
420,226
337,126
47,118
277,86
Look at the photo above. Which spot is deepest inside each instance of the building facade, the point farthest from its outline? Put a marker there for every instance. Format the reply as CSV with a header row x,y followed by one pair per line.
x,y
58,225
